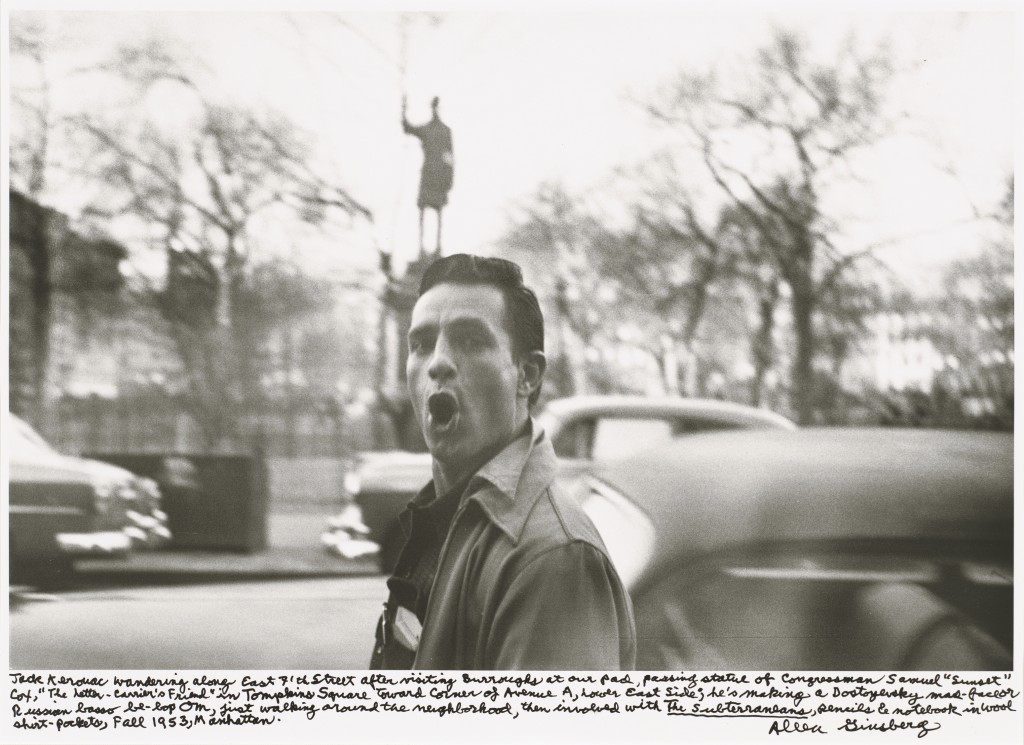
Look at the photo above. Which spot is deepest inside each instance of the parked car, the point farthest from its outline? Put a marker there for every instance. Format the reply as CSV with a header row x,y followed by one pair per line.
x,y
583,429
853,549
63,507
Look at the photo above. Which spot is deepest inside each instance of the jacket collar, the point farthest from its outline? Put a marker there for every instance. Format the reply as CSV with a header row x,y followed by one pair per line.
x,y
509,484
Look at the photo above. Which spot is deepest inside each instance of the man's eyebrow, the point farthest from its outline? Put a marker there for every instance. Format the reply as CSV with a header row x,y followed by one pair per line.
x,y
460,324
423,329
468,323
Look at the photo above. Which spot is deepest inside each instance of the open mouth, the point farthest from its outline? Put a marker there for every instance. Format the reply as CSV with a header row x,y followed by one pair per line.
x,y
443,409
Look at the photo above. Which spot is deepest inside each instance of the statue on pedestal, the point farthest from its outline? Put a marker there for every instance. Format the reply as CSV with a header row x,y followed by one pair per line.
x,y
438,166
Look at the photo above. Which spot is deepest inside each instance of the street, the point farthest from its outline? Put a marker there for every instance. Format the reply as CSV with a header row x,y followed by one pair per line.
x,y
292,606
318,623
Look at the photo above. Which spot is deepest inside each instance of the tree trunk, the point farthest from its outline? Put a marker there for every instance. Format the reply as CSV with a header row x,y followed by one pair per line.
x,y
763,350
42,310
802,394
686,372
668,364
289,394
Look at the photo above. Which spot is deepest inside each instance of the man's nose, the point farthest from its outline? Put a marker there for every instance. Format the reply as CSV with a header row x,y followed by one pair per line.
x,y
441,364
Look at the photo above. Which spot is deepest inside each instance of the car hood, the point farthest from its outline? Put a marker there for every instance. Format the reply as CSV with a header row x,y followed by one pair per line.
x,y
47,469
35,464
713,491
106,472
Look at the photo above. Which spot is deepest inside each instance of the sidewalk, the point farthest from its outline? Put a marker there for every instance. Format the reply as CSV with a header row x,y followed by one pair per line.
x,y
294,550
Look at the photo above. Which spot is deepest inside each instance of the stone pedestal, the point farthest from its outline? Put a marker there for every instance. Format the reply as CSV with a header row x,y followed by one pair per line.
x,y
398,300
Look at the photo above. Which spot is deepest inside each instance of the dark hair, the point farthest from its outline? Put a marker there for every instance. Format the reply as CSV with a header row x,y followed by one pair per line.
x,y
522,311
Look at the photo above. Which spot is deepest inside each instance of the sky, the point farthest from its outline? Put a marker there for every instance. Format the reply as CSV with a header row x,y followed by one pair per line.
x,y
535,97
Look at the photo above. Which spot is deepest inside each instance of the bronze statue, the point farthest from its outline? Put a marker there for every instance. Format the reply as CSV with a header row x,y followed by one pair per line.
x,y
438,166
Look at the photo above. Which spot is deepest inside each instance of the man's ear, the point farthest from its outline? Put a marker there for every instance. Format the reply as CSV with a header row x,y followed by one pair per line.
x,y
531,372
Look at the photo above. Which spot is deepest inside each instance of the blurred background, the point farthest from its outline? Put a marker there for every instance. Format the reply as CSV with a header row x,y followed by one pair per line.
x,y
214,252
212,214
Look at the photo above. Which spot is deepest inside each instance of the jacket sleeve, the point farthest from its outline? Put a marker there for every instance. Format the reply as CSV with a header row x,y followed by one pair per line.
x,y
566,610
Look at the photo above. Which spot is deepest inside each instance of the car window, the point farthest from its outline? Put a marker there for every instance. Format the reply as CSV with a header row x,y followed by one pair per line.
x,y
575,440
691,424
807,612
616,438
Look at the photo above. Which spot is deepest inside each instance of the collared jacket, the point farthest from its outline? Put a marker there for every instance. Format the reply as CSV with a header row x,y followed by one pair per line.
x,y
524,581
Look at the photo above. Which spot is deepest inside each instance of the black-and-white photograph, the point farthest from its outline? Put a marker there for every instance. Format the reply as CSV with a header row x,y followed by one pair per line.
x,y
649,338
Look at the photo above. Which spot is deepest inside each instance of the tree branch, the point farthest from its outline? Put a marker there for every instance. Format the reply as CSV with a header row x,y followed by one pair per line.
x,y
130,157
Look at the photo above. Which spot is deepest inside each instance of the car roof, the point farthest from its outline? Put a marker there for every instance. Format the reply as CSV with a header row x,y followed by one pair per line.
x,y
620,405
711,491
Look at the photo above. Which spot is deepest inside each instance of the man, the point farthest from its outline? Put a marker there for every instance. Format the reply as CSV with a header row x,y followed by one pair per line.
x,y
499,571
438,170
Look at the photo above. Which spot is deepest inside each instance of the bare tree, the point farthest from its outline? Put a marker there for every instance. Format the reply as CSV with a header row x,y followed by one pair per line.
x,y
771,145
38,151
202,193
652,285
557,240
30,154
30,151
972,323
674,271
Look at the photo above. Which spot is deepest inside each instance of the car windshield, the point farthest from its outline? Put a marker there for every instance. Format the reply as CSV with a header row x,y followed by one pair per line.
x,y
626,531
616,438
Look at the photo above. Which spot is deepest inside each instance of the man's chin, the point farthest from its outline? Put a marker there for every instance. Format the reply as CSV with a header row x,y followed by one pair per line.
x,y
444,450
454,454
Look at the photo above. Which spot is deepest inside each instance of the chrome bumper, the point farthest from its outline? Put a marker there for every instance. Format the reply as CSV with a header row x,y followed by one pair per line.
x,y
148,531
104,542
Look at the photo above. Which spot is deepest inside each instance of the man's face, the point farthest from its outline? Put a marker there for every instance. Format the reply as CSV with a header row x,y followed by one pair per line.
x,y
462,374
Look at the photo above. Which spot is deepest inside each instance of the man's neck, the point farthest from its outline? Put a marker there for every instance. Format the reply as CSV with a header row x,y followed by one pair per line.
x,y
448,475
